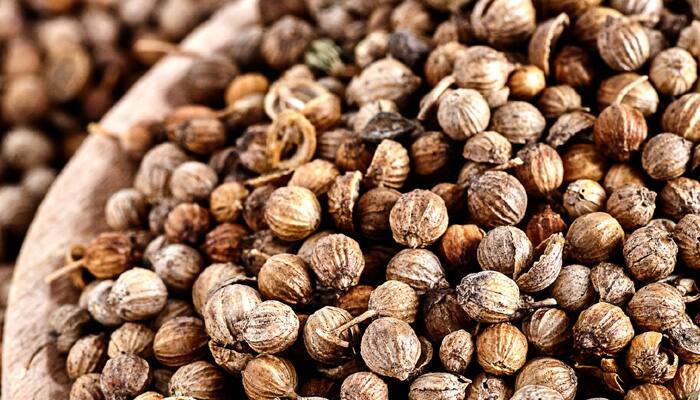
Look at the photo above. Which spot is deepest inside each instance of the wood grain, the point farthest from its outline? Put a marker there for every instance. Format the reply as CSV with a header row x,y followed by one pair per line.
x,y
72,212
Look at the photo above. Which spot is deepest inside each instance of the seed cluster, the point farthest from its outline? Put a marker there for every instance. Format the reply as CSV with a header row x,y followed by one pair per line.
x,y
64,64
317,238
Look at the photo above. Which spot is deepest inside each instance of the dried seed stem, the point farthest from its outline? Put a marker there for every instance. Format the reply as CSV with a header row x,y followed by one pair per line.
x,y
65,270
355,321
163,47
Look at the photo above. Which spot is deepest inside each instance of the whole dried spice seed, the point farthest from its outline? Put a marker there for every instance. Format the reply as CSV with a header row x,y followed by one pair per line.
x,y
573,289
496,198
665,156
390,166
285,277
519,122
551,373
501,349
337,261
632,205
342,197
269,328
124,377
594,237
180,341
624,45
137,294
292,213
612,284
657,307
542,171
680,117
686,233
584,196
390,348
419,268
463,113
548,330
680,196
440,385
673,71
456,351
225,307
582,161
619,131
630,89
364,385
505,249
324,337
602,330
418,218
650,254
267,377
199,380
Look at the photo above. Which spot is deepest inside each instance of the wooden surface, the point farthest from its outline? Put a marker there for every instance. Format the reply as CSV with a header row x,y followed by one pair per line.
x,y
72,212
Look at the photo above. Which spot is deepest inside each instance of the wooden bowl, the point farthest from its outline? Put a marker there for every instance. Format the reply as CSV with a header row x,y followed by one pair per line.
x,y
72,212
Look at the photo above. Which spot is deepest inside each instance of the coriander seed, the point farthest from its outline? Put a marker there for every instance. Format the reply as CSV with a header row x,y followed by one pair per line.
x,y
602,330
685,234
364,385
632,205
619,131
505,249
267,376
138,294
456,351
125,377
285,277
337,262
551,373
594,237
88,355
679,117
673,71
501,349
583,196
519,122
623,45
463,113
199,380
656,307
419,268
650,254
666,156
440,385
649,361
323,340
496,198
612,284
390,348
180,341
630,89
548,330
292,213
131,338
418,218
270,327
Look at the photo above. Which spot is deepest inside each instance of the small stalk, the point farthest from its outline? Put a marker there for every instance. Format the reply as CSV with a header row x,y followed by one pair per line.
x,y
355,321
65,270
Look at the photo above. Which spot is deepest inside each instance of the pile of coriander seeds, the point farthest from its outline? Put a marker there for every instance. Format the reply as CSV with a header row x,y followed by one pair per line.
x,y
64,63
490,199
